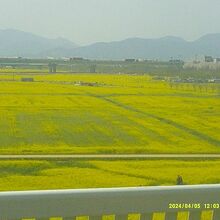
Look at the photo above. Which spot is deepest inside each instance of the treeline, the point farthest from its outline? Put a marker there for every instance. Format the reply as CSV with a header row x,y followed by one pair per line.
x,y
196,87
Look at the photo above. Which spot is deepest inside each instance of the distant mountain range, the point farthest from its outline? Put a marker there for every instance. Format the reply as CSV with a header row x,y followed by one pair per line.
x,y
18,43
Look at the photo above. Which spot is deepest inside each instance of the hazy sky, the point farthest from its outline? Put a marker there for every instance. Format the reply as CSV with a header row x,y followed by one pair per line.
x,y
87,21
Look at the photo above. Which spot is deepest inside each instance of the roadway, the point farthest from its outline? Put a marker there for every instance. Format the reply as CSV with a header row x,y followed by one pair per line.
x,y
114,156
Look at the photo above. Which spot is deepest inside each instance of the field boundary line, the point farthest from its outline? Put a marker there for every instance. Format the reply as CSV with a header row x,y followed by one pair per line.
x,y
113,156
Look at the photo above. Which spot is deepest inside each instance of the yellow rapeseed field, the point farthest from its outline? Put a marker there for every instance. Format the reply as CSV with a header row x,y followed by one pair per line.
x,y
63,114
70,174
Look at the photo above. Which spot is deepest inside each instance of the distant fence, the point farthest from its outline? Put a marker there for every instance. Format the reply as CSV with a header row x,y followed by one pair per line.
x,y
95,203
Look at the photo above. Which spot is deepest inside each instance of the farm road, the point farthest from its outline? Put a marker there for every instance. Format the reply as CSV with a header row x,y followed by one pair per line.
x,y
114,156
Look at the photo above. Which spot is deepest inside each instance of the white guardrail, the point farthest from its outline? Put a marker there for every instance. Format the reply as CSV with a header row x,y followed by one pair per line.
x,y
95,203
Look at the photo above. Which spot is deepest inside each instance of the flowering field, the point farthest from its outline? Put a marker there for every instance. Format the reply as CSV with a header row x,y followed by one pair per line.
x,y
69,174
103,113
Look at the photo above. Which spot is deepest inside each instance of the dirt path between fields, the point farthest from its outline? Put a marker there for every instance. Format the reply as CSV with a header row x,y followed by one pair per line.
x,y
114,156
